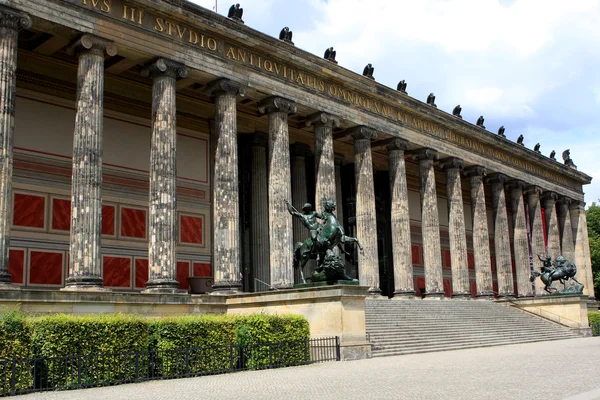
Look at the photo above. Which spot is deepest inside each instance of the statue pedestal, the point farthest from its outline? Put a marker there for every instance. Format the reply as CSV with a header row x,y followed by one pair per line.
x,y
324,283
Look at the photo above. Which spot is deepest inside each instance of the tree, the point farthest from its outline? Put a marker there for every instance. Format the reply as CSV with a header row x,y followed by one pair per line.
x,y
593,223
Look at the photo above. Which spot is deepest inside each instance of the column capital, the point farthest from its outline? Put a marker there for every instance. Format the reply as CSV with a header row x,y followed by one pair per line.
x,y
362,132
300,149
91,44
14,19
496,178
225,86
339,159
398,144
451,163
259,140
549,196
425,154
516,184
475,170
322,119
164,67
577,205
276,104
532,190
564,200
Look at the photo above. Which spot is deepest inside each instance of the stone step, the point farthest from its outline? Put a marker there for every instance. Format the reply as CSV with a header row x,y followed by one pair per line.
x,y
458,336
457,342
408,332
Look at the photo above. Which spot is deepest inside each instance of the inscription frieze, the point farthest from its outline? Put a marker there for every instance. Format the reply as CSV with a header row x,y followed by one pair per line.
x,y
206,41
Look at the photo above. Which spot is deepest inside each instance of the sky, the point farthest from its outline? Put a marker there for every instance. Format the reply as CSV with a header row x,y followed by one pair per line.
x,y
530,65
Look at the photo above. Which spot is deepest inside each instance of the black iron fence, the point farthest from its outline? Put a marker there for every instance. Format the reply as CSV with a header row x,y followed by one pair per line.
x,y
38,374
595,328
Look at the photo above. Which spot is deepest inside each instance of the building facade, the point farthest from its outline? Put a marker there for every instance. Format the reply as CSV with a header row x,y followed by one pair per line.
x,y
151,140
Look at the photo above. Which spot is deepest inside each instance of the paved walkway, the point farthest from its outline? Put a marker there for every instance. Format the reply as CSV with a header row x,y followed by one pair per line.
x,y
507,372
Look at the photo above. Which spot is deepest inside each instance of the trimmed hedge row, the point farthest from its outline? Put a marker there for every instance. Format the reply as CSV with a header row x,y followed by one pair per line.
x,y
594,319
118,338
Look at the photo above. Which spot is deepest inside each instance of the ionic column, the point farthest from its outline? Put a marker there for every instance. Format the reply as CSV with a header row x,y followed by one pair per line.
x,y
538,248
400,221
481,240
566,231
299,196
10,23
549,204
456,227
582,247
430,224
339,211
226,218
86,188
259,219
521,244
280,221
324,159
501,237
366,222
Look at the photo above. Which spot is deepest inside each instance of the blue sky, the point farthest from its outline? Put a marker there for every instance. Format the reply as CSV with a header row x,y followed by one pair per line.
x,y
530,65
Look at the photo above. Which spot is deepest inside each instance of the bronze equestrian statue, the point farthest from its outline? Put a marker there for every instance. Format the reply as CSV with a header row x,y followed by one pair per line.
x,y
560,270
324,237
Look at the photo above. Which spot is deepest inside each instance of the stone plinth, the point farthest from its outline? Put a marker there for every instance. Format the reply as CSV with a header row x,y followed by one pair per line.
x,y
331,311
568,310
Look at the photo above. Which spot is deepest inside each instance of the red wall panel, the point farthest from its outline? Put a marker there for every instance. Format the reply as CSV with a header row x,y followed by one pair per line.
x,y
191,229
447,288
108,220
45,268
471,260
202,269
61,214
415,255
29,210
446,258
473,285
16,265
183,271
133,223
141,273
419,283
117,271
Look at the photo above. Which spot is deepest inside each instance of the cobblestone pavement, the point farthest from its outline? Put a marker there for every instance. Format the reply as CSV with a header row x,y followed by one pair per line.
x,y
565,369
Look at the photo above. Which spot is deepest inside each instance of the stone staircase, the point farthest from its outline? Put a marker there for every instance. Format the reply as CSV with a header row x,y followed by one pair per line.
x,y
396,327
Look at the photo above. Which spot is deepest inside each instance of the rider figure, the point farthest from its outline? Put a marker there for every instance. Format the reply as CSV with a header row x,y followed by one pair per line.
x,y
308,218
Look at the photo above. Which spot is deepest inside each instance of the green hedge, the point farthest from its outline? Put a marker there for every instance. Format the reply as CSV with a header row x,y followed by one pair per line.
x,y
594,319
15,343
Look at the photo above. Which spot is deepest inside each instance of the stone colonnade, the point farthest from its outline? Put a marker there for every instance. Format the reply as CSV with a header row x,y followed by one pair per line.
x,y
272,177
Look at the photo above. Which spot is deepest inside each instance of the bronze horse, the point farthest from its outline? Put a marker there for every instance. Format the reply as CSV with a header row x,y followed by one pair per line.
x,y
561,270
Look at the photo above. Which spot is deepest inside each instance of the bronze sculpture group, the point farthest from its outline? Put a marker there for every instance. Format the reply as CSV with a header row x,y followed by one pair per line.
x,y
558,270
326,234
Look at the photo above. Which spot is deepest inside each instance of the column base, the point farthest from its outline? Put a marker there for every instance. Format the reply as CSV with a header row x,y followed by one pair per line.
x,y
405,295
163,286
434,295
462,296
374,292
226,287
485,296
281,286
506,296
84,283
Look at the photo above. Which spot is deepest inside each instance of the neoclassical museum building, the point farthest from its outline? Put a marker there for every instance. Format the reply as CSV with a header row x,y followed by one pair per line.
x,y
147,141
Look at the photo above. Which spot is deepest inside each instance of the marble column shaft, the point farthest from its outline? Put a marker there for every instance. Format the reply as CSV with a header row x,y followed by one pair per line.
x,y
456,227
582,257
86,189
538,248
366,220
549,202
501,237
400,220
566,231
10,23
339,211
324,158
226,207
481,239
521,243
280,221
259,223
299,195
430,223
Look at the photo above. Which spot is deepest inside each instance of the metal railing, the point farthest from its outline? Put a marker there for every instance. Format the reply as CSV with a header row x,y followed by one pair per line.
x,y
19,376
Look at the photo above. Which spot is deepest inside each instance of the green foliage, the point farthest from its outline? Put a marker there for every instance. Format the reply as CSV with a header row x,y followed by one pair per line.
x,y
62,335
594,319
593,223
15,343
